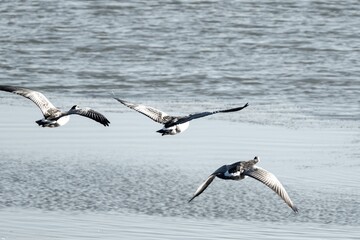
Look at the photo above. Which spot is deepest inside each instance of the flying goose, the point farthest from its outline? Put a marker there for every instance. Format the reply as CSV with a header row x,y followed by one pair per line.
x,y
54,117
242,169
172,124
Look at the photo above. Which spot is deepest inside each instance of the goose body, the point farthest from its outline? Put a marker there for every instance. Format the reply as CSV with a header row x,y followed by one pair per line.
x,y
172,124
54,117
242,169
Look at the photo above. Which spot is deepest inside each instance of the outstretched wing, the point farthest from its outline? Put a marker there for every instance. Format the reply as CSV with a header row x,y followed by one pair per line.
x,y
154,114
203,186
203,114
46,107
272,182
90,113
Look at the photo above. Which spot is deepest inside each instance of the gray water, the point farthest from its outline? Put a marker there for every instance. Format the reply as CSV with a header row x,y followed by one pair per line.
x,y
296,57
296,63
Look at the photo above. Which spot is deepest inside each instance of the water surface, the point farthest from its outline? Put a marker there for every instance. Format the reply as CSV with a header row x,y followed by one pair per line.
x,y
296,63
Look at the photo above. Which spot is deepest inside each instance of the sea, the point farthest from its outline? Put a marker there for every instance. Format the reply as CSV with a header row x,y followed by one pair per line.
x,y
296,63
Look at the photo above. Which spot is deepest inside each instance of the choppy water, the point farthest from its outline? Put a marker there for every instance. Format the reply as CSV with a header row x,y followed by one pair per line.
x,y
298,58
296,63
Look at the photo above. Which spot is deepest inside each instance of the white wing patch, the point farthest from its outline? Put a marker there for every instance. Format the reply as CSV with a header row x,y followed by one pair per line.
x,y
46,107
272,182
150,112
234,174
42,102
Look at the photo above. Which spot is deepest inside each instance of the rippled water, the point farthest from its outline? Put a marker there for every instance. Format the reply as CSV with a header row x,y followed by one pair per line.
x,y
296,63
300,58
82,175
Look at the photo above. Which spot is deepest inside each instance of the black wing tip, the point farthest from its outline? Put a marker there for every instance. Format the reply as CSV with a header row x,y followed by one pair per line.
x,y
92,114
246,105
295,209
191,199
102,119
119,100
106,123
235,109
9,88
13,88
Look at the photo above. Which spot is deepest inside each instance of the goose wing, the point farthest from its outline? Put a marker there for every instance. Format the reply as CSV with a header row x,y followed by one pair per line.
x,y
46,107
90,113
203,186
272,182
203,114
154,114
